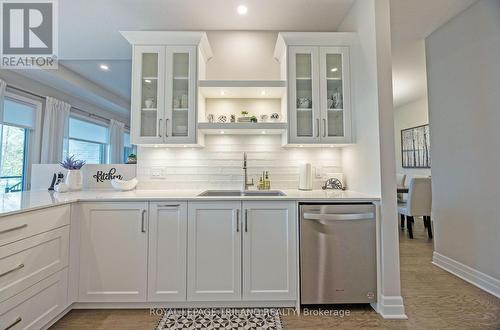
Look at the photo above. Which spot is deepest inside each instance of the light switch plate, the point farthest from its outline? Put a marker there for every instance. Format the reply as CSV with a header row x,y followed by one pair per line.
x,y
157,172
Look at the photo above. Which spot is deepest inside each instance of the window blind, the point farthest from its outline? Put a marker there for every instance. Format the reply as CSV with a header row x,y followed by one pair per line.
x,y
83,130
19,114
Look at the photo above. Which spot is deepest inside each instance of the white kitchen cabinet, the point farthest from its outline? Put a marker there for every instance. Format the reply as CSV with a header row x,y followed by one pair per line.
x,y
148,95
166,66
164,94
113,252
304,109
214,251
167,251
317,69
269,250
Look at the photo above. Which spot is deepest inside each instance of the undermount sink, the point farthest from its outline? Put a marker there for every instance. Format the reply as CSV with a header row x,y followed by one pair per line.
x,y
229,193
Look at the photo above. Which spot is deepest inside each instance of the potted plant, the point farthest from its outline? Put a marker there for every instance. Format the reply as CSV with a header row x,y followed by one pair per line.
x,y
74,176
132,159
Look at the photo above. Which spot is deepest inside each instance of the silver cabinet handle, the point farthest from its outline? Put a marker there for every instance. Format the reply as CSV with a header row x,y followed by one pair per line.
x,y
10,326
317,127
12,270
238,220
13,228
159,127
339,216
166,127
246,220
143,221
169,205
324,127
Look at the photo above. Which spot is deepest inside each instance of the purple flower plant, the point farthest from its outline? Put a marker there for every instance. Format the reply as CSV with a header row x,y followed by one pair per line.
x,y
70,163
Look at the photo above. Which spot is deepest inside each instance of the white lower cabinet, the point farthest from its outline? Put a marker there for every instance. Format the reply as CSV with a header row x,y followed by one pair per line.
x,y
269,251
214,251
242,251
113,252
167,251
36,306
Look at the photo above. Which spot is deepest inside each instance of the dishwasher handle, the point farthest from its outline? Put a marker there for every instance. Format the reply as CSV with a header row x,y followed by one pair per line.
x,y
339,216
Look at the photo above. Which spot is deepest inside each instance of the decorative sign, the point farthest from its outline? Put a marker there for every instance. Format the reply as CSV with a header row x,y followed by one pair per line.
x,y
102,176
99,176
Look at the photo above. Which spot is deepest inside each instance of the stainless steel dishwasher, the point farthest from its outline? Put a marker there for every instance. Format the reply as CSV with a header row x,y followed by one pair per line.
x,y
338,253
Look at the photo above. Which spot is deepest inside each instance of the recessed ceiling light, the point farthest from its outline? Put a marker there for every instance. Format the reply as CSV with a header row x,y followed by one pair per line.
x,y
222,93
242,9
263,93
148,81
334,69
104,67
221,132
263,132
300,146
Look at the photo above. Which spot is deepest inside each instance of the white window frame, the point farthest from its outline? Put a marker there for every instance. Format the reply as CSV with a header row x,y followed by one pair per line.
x,y
33,153
94,121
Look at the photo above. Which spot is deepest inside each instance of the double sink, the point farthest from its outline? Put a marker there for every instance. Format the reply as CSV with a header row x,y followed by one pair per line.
x,y
231,193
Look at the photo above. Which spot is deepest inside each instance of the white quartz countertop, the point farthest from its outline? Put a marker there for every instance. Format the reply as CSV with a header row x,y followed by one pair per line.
x,y
18,202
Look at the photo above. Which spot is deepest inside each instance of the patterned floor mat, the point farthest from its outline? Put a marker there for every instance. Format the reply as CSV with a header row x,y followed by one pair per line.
x,y
221,318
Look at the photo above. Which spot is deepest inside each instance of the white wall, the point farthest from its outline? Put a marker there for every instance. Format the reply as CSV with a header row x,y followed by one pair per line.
x,y
369,164
407,116
463,76
243,55
219,164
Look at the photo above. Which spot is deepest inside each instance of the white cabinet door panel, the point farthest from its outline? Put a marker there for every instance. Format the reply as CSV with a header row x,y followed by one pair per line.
x,y
269,250
214,251
167,251
113,252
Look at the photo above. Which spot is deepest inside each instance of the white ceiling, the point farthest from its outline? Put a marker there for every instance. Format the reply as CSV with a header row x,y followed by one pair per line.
x,y
89,28
116,80
411,22
89,31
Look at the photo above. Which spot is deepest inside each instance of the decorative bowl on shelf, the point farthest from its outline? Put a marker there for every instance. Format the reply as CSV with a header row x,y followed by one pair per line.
x,y
124,185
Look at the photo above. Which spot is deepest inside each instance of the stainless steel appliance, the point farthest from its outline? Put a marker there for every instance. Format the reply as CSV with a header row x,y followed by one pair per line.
x,y
338,253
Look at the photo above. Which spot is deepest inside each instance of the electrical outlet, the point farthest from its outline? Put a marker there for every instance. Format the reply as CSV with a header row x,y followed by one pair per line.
x,y
157,172
317,173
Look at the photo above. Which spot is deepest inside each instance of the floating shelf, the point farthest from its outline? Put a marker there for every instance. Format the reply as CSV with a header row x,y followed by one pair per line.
x,y
149,78
339,110
242,89
149,109
181,109
304,109
243,128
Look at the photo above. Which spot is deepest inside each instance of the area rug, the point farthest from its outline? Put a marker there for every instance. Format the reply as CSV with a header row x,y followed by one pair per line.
x,y
221,318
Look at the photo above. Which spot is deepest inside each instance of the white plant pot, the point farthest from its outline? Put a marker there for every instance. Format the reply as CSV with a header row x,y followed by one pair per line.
x,y
74,180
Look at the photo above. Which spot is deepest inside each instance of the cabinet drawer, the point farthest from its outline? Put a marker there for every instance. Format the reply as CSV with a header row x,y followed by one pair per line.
x,y
36,306
26,262
18,226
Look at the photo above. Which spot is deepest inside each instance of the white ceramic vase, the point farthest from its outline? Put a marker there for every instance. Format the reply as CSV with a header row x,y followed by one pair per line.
x,y
74,180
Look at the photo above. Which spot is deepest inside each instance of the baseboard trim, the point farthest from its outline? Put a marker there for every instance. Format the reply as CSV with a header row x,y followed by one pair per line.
x,y
466,273
391,307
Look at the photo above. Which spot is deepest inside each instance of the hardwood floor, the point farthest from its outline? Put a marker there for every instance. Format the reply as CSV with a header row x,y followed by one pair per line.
x,y
434,299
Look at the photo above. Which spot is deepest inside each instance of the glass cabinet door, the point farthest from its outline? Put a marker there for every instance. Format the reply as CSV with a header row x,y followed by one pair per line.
x,y
335,105
148,94
304,107
181,92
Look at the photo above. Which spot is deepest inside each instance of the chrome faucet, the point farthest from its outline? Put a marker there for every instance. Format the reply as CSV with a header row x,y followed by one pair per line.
x,y
246,184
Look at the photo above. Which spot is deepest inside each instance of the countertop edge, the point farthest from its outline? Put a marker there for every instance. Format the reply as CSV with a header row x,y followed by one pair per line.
x,y
98,199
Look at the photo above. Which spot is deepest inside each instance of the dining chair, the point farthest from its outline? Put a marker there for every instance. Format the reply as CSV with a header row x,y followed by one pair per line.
x,y
419,204
400,182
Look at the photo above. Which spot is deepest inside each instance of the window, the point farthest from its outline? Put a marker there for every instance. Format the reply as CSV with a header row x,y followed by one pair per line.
x,y
128,147
87,141
17,139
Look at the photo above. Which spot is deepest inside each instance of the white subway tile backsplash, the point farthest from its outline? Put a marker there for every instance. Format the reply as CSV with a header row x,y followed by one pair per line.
x,y
219,164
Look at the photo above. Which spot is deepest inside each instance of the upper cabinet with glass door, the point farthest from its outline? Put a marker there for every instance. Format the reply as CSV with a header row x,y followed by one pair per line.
x,y
318,79
165,72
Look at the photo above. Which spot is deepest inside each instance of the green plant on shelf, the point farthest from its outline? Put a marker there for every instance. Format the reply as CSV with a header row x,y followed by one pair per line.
x,y
244,113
